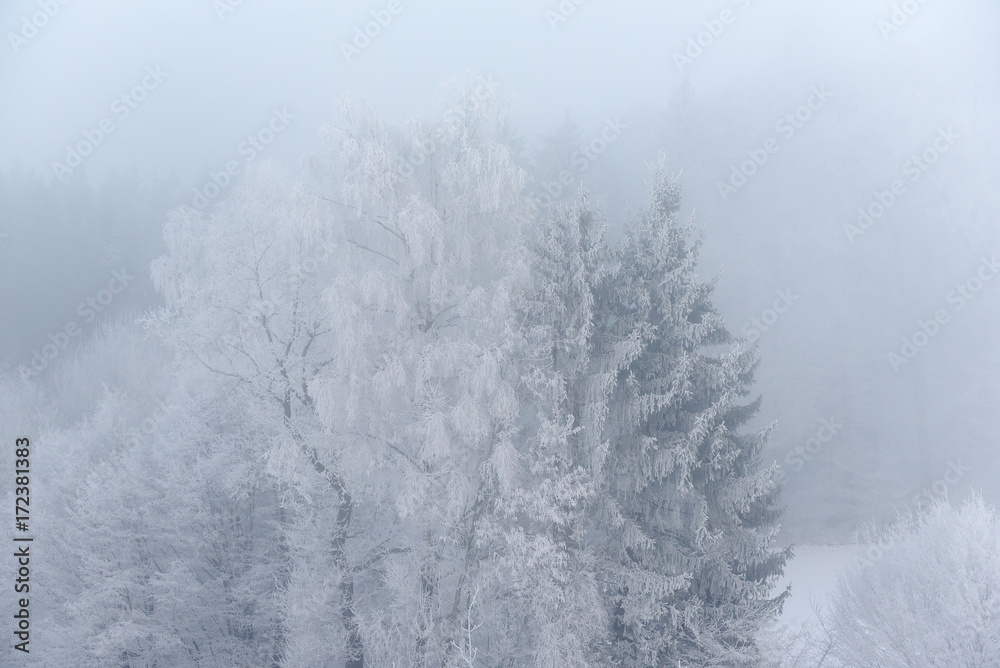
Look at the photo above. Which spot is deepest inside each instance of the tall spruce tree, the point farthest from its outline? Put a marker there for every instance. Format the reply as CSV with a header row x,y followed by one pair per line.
x,y
685,515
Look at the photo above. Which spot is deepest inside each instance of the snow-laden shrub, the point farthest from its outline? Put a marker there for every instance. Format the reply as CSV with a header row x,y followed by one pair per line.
x,y
930,597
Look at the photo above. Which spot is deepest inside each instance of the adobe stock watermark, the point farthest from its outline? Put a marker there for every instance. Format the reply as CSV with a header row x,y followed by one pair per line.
x,y
253,146
381,18
562,12
928,329
937,491
452,121
786,126
87,310
31,25
223,7
583,157
312,262
704,39
318,256
939,488
753,328
899,17
915,168
796,458
122,107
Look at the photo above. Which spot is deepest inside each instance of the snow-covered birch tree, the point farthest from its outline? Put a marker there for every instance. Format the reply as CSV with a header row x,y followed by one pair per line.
x,y
423,377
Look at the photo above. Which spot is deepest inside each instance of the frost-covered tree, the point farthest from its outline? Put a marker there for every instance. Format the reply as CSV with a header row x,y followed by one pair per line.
x,y
676,519
243,293
172,551
928,595
564,404
161,549
391,380
424,377
95,600
686,510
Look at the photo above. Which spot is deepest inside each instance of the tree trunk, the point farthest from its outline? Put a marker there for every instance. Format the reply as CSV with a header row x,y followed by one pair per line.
x,y
355,648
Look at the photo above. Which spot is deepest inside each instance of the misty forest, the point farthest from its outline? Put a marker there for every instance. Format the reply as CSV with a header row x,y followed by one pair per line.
x,y
550,334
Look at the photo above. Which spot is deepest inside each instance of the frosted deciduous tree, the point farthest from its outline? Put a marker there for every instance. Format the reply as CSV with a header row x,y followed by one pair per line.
x,y
423,378
159,551
243,301
931,598
394,372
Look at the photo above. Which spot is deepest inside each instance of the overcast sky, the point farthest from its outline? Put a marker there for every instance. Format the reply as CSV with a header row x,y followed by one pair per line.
x,y
226,69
